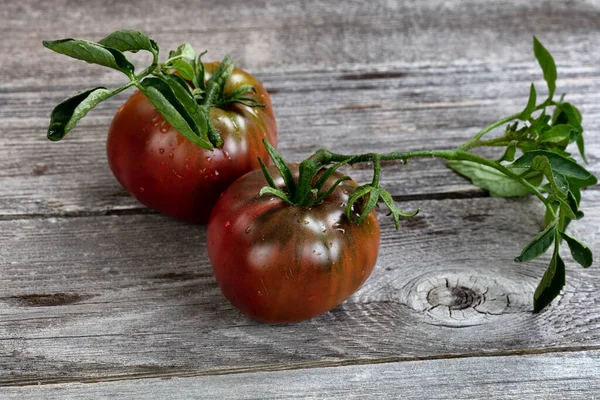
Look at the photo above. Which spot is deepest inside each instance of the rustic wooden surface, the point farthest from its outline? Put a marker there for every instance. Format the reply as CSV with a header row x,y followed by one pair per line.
x,y
100,297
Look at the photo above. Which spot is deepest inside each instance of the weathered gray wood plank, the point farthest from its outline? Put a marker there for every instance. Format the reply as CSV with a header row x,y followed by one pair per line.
x,y
409,74
427,108
308,34
548,376
95,297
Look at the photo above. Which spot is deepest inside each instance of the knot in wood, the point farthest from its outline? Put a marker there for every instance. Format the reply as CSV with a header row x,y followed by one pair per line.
x,y
455,298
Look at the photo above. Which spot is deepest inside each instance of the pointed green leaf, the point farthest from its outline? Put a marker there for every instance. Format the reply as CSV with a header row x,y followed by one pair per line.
x,y
580,252
574,204
540,243
66,115
509,153
551,284
128,40
526,114
357,194
267,174
282,167
559,183
569,114
92,53
181,90
162,97
574,172
186,51
323,195
275,192
395,211
184,69
328,172
494,181
557,134
199,75
547,64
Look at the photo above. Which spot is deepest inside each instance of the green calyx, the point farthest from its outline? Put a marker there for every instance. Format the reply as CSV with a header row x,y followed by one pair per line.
x,y
314,172
535,160
177,87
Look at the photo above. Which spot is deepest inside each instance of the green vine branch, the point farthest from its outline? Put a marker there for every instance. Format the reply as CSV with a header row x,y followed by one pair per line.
x,y
544,168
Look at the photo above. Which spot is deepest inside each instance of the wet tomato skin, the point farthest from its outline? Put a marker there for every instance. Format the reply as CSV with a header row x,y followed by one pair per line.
x,y
279,263
167,172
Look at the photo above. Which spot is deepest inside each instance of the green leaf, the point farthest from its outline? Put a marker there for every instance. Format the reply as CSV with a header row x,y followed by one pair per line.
x,y
327,174
283,168
199,75
181,90
357,194
573,203
557,134
580,252
494,181
323,195
128,40
547,64
65,116
509,153
162,97
570,114
526,114
186,51
184,69
574,172
92,53
551,284
395,211
275,192
267,174
559,183
540,243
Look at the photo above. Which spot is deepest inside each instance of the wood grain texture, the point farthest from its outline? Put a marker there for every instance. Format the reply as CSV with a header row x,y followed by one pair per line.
x,y
98,297
421,110
549,376
425,92
131,295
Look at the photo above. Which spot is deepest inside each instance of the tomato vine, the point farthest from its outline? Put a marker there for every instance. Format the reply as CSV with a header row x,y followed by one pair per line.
x,y
176,87
540,137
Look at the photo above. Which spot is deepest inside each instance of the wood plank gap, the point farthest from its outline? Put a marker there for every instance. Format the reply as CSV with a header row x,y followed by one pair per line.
x,y
166,373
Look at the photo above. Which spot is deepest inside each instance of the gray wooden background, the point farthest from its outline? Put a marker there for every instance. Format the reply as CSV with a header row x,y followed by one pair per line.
x,y
101,297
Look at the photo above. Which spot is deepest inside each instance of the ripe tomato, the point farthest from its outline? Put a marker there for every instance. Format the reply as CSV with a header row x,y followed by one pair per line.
x,y
281,263
167,172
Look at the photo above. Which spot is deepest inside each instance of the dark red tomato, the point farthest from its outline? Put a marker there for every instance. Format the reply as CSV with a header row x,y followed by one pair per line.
x,y
280,263
167,172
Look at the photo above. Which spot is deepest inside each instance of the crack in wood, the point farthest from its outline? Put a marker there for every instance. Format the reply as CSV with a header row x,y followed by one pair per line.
x,y
167,372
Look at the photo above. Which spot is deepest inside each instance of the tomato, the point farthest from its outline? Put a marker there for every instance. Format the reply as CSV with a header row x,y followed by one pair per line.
x,y
280,263
167,172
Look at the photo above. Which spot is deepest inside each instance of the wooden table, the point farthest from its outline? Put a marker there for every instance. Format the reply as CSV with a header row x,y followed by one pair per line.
x,y
100,296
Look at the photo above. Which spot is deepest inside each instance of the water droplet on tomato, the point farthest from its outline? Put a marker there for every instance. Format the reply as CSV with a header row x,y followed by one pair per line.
x,y
142,189
165,127
161,151
248,229
170,155
227,223
216,173
156,119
